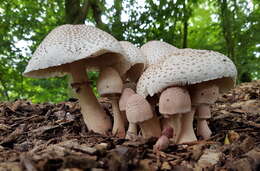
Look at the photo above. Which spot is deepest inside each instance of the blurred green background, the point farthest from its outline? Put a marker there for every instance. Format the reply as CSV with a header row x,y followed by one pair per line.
x,y
229,26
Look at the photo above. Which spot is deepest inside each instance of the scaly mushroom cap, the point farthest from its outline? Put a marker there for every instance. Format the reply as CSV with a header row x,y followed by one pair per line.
x,y
174,100
156,50
109,82
136,58
69,43
186,67
127,93
204,93
138,109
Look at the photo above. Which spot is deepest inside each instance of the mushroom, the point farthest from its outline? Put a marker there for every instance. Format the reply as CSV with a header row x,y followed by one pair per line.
x,y
139,111
155,51
132,128
203,95
138,63
70,49
163,142
174,103
110,85
187,67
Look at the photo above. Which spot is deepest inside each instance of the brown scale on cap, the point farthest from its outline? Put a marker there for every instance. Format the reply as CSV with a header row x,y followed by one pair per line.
x,y
139,111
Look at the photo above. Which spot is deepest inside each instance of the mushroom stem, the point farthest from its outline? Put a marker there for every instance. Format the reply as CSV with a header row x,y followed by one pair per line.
x,y
151,128
119,125
187,132
203,129
94,116
131,133
173,121
202,114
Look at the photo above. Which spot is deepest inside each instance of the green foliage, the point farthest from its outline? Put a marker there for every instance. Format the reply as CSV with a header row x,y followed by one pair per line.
x,y
228,26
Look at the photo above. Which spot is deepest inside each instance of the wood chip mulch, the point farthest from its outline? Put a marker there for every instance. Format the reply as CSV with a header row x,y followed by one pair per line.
x,y
49,137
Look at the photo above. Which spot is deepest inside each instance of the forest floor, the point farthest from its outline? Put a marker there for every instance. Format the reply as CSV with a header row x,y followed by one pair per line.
x,y
48,137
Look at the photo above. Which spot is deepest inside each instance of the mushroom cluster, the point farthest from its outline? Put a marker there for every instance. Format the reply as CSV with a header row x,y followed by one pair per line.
x,y
181,83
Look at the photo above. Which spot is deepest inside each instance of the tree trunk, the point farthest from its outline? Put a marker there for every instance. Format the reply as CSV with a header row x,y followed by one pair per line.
x,y
227,20
185,26
74,13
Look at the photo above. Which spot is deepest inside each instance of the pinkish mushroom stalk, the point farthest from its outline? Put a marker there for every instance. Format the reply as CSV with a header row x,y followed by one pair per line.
x,y
110,85
202,114
174,103
163,142
94,116
139,111
132,128
187,133
203,129
131,133
203,95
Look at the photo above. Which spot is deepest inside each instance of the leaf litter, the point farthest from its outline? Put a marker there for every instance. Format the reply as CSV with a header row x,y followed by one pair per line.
x,y
47,137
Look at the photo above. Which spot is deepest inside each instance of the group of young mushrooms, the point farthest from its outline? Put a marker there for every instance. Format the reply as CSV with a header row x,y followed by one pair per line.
x,y
181,83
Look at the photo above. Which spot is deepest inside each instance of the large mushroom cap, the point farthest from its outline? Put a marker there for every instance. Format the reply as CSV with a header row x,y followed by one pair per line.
x,y
186,67
136,58
156,50
138,109
69,43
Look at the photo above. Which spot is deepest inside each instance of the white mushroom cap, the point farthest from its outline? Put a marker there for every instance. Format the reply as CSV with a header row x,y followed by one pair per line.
x,y
186,67
69,43
127,92
109,83
156,50
136,58
138,109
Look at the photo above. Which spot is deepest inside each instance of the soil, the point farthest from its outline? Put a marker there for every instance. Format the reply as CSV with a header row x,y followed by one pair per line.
x,y
48,137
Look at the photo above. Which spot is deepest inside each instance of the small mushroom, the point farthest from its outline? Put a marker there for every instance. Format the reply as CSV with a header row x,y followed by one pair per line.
x,y
110,85
203,95
132,128
71,49
139,111
175,103
163,142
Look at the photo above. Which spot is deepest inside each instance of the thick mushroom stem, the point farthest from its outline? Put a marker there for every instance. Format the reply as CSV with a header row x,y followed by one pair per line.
x,y
202,114
173,121
187,132
131,133
203,129
119,124
94,116
150,128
